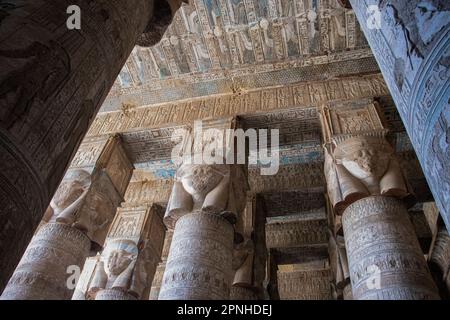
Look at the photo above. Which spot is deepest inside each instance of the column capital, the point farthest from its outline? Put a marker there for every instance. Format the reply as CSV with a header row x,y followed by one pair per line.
x,y
359,161
214,185
164,11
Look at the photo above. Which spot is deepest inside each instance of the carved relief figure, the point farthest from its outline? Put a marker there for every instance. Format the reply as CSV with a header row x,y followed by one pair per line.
x,y
339,261
18,85
338,30
119,268
416,25
237,12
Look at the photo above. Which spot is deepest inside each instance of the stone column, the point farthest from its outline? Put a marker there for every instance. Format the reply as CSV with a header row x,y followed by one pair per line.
x,y
342,288
347,293
367,187
207,198
339,266
83,208
161,268
53,82
243,257
42,273
125,268
385,258
245,284
411,41
440,258
199,266
143,191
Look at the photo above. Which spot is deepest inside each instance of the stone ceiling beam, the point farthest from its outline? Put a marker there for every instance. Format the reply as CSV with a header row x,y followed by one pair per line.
x,y
300,95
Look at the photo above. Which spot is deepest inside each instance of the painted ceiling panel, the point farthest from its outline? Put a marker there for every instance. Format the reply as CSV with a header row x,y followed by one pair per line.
x,y
218,39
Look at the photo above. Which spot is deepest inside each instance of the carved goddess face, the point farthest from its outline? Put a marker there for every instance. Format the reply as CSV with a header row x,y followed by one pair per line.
x,y
367,162
200,179
100,207
118,261
70,190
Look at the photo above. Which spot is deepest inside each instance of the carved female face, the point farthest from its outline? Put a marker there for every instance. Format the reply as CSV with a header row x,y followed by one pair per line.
x,y
67,193
367,162
100,208
118,261
200,179
70,190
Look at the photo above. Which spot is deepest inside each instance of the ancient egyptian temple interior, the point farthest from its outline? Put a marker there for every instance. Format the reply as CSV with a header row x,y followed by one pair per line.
x,y
224,149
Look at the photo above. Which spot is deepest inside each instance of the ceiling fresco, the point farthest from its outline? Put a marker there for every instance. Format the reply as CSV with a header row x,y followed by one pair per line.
x,y
214,43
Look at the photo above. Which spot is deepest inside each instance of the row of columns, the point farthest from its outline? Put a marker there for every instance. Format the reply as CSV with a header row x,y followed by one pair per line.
x,y
211,254
211,251
80,214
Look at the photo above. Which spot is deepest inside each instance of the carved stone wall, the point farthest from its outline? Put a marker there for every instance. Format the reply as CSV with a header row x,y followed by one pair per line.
x,y
287,178
148,191
304,285
385,258
431,213
161,268
440,254
243,285
296,233
157,281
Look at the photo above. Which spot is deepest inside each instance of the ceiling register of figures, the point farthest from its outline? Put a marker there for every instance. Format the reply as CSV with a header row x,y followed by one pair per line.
x,y
213,39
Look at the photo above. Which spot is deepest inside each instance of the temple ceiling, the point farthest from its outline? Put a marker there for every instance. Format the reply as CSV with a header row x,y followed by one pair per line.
x,y
271,64
229,46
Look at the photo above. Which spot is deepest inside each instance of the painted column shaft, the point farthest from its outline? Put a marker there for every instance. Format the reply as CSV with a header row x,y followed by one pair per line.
x,y
199,266
42,274
384,255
